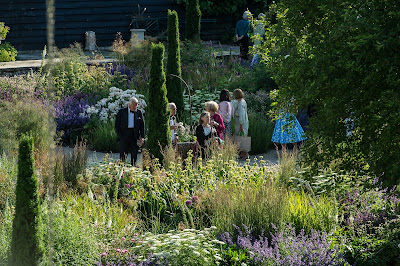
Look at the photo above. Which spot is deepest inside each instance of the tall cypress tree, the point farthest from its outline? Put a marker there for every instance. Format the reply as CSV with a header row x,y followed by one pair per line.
x,y
159,134
193,17
25,242
174,84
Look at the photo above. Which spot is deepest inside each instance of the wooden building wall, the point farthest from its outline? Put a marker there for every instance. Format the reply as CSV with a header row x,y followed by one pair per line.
x,y
27,20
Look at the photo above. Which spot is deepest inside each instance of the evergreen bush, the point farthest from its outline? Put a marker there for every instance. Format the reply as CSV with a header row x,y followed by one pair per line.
x,y
7,52
25,242
174,84
159,134
193,16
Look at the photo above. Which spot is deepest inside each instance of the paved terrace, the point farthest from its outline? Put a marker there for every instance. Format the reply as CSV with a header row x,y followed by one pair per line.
x,y
32,60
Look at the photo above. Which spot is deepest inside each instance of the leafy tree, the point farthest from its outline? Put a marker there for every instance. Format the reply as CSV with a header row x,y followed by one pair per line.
x,y
159,134
228,7
193,17
174,84
25,242
340,59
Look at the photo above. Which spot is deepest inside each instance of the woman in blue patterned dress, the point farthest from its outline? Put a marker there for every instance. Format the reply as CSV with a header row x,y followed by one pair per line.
x,y
287,130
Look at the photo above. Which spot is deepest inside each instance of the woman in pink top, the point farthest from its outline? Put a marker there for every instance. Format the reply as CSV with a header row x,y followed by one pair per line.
x,y
216,120
225,110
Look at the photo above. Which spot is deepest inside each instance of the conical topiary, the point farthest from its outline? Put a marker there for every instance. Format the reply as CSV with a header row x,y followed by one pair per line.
x,y
174,84
25,241
159,134
193,17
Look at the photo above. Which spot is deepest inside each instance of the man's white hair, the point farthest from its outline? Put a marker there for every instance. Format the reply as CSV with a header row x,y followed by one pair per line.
x,y
171,105
133,100
246,14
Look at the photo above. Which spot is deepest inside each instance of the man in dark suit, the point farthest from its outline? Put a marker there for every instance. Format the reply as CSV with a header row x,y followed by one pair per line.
x,y
129,126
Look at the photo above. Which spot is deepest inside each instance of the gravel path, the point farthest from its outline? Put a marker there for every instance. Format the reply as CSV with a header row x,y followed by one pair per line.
x,y
270,157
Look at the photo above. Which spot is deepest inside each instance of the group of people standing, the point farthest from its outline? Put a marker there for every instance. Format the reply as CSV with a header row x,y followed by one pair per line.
x,y
243,37
215,122
214,125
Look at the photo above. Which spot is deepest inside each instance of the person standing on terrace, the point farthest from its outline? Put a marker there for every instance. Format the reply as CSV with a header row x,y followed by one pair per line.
x,y
242,35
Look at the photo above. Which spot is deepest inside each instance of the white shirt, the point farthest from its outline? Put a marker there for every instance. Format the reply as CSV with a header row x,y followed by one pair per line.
x,y
172,122
207,130
225,110
131,119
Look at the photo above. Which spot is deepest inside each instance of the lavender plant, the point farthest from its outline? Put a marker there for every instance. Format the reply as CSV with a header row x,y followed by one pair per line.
x,y
68,114
285,247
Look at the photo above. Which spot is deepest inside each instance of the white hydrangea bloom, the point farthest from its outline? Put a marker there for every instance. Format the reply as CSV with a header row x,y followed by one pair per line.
x,y
107,108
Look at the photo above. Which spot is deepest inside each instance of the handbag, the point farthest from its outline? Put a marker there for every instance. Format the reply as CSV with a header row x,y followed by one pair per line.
x,y
244,143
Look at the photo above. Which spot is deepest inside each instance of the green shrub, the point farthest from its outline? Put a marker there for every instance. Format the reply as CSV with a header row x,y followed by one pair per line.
x,y
344,76
102,136
253,79
135,54
69,165
8,176
174,84
20,117
25,246
82,226
71,74
23,86
193,17
7,52
158,135
260,131
254,206
6,220
307,212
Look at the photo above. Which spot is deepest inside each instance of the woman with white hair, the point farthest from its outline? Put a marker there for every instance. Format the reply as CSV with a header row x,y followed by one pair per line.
x,y
173,123
259,32
215,118
242,34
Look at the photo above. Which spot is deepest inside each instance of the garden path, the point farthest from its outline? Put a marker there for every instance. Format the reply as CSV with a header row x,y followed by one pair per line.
x,y
270,157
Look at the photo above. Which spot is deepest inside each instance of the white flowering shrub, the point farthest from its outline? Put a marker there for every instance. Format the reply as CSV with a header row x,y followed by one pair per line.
x,y
198,99
107,108
187,247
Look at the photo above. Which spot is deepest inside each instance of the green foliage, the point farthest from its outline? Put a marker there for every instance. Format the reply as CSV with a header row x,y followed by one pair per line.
x,y
260,131
6,221
193,17
234,256
83,225
25,246
68,165
102,135
174,84
197,100
380,248
345,75
20,117
134,54
7,52
71,74
229,7
253,79
3,30
255,206
8,175
159,134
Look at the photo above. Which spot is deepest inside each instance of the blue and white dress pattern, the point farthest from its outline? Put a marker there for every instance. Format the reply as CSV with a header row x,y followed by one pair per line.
x,y
288,130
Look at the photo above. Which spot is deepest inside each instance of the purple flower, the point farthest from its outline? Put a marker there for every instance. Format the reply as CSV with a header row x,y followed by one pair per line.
x,y
188,203
195,199
210,43
287,248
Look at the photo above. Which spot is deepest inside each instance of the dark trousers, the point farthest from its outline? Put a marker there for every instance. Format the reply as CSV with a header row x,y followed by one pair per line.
x,y
244,47
128,144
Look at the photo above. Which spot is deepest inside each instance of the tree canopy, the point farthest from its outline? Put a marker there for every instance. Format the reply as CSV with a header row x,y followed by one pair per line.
x,y
340,59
